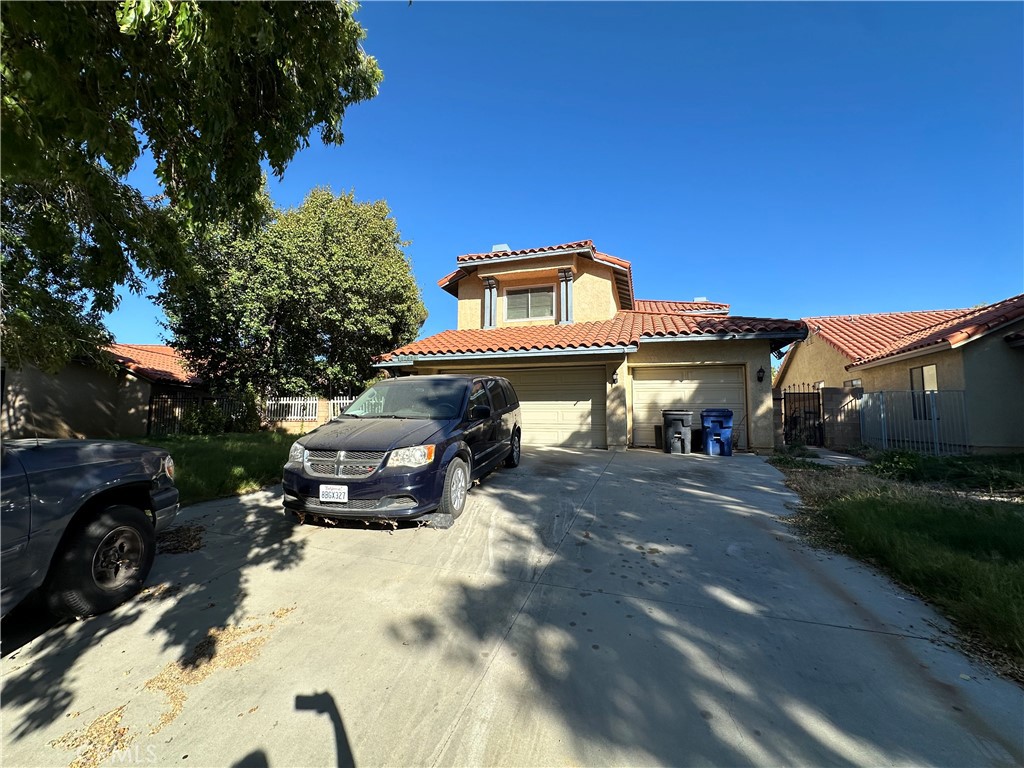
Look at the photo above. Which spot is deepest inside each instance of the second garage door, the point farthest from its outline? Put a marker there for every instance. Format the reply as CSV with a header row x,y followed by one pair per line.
x,y
690,388
561,406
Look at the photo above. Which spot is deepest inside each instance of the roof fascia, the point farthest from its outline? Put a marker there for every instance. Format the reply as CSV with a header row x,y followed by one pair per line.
x,y
790,335
942,346
404,360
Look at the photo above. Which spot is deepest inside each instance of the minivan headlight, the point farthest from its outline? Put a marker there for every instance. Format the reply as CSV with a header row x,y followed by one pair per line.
x,y
417,456
296,452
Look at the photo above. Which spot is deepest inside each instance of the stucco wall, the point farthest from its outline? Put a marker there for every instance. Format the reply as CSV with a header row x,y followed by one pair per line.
x,y
593,293
594,296
750,354
80,401
994,376
814,359
471,303
895,376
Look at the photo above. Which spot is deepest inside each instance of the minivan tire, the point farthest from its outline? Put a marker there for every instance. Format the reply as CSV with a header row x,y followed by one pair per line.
x,y
104,564
456,486
515,451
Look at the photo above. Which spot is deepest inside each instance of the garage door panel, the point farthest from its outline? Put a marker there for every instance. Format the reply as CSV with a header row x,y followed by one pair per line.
x,y
560,406
696,388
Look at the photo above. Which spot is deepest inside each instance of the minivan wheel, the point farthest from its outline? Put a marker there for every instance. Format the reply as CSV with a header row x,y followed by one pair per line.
x,y
104,564
515,451
456,486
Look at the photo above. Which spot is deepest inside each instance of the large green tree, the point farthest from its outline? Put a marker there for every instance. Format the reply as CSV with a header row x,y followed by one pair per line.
x,y
302,305
210,89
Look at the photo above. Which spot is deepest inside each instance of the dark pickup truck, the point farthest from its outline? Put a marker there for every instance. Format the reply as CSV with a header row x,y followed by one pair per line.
x,y
79,521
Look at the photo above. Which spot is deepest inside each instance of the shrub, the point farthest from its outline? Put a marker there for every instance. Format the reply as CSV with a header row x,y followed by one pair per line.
x,y
203,418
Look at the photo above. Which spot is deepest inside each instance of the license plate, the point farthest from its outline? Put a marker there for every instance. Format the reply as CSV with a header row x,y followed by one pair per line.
x,y
334,493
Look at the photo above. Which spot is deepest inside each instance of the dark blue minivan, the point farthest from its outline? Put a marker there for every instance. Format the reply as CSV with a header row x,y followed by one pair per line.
x,y
406,447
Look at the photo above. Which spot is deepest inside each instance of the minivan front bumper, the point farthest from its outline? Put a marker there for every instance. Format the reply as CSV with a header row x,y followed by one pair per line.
x,y
391,496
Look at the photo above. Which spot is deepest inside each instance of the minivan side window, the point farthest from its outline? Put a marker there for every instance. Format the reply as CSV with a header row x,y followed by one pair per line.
x,y
510,393
497,395
478,396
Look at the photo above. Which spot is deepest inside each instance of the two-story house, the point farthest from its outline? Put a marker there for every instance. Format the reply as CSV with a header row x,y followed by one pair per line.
x,y
594,366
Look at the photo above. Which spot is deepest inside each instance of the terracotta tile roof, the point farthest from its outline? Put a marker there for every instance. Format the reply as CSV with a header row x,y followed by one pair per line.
x,y
579,245
625,329
861,336
623,269
669,307
954,331
153,361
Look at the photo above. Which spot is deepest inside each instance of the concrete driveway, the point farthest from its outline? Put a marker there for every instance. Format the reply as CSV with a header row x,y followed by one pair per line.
x,y
589,608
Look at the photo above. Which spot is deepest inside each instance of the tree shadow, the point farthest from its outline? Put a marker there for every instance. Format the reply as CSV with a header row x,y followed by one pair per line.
x,y
189,598
669,623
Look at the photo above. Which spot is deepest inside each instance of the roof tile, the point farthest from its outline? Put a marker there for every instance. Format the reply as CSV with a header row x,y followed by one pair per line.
x,y
153,361
626,328
669,307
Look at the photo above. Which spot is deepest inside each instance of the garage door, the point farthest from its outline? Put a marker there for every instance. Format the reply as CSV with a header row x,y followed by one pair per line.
x,y
561,406
691,388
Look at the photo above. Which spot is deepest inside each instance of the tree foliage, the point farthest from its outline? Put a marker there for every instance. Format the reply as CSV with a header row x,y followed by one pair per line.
x,y
209,89
301,306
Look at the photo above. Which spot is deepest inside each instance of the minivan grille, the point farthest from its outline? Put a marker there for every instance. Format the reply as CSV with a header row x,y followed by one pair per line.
x,y
343,463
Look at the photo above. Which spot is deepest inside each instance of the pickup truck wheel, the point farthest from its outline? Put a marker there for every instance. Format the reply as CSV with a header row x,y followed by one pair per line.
x,y
104,564
456,486
515,452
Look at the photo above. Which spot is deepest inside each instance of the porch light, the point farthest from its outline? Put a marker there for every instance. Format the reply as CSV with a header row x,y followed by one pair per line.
x,y
615,377
760,374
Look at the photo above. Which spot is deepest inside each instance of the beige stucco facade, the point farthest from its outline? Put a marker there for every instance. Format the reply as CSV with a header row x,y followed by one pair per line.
x,y
593,290
80,401
987,370
814,360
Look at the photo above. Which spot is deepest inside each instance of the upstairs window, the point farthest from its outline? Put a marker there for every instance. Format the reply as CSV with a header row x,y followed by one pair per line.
x,y
530,304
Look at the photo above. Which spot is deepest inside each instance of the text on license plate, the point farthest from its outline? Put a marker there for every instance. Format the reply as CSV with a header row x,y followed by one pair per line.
x,y
333,493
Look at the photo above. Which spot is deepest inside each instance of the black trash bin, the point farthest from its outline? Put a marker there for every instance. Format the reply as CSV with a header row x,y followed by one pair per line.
x,y
676,426
716,425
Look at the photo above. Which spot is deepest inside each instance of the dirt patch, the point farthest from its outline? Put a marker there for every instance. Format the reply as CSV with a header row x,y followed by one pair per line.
x,y
179,540
95,743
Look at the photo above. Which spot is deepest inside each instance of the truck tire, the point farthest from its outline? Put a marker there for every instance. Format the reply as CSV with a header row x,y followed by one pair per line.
x,y
103,564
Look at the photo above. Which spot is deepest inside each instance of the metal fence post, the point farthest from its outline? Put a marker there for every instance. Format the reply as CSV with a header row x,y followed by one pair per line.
x,y
934,411
881,411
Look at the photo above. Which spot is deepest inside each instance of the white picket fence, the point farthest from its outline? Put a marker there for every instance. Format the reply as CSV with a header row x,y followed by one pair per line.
x,y
292,409
338,404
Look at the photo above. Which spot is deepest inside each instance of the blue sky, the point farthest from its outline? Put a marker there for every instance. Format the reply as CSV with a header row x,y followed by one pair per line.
x,y
791,159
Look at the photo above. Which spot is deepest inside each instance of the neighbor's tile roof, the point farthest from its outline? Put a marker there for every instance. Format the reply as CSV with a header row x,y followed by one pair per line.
x,y
625,329
954,331
579,245
861,336
668,307
153,361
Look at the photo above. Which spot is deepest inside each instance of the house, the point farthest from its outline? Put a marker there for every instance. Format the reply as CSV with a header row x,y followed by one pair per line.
x,y
87,400
977,353
594,366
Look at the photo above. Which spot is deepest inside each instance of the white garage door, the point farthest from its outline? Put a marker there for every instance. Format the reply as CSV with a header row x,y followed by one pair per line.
x,y
561,406
689,388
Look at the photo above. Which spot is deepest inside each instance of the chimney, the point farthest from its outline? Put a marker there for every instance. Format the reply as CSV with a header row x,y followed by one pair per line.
x,y
700,298
500,247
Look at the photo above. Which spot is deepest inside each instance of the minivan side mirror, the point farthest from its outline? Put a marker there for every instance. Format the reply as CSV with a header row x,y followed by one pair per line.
x,y
480,412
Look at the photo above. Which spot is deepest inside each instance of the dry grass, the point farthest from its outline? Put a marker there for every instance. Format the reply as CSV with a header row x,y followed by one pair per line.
x,y
961,553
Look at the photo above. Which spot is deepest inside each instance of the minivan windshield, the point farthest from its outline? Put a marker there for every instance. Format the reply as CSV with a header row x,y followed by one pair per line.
x,y
410,398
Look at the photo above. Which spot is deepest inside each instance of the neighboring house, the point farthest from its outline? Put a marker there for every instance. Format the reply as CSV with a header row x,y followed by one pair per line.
x,y
978,352
593,366
84,400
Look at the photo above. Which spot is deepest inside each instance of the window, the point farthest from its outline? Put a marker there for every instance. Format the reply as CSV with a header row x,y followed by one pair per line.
x,y
477,397
530,304
510,393
819,385
852,383
497,395
922,381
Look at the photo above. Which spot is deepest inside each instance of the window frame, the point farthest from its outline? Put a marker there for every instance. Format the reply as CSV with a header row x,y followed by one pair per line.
x,y
919,400
528,289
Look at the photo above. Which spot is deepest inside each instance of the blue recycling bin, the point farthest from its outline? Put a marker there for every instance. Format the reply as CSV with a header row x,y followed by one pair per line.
x,y
716,426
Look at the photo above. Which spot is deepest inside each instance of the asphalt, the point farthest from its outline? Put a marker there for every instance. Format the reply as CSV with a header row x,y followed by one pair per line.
x,y
589,608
